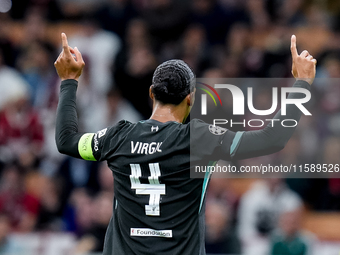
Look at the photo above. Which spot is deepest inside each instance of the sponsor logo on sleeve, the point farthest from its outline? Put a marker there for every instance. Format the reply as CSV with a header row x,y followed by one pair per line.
x,y
102,132
95,142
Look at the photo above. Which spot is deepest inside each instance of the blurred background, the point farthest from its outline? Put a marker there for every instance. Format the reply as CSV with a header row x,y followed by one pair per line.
x,y
53,204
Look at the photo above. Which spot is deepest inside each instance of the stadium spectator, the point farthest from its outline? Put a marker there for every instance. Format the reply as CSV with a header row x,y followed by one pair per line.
x,y
73,9
105,178
8,51
290,239
220,190
7,244
21,207
114,16
74,174
259,211
51,206
220,238
89,38
329,193
49,8
103,110
193,49
117,106
34,28
134,67
215,19
77,215
21,132
35,63
166,20
237,41
93,239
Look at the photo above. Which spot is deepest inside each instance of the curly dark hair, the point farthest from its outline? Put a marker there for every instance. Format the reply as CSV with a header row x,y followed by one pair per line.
x,y
172,81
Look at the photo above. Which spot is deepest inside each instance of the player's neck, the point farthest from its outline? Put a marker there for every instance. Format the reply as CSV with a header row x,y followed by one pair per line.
x,y
168,112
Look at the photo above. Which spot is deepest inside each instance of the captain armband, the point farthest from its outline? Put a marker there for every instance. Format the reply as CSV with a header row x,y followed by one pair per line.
x,y
85,148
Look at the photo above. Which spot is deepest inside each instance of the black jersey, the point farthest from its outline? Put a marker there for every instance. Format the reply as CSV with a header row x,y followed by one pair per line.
x,y
157,207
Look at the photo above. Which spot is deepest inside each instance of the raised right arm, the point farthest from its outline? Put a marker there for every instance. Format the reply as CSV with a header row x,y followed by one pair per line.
x,y
274,136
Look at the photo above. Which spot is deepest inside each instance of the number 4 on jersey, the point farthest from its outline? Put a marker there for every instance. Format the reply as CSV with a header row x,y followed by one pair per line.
x,y
154,188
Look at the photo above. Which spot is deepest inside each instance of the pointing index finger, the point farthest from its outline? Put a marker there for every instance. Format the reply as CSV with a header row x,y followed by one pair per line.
x,y
293,46
65,44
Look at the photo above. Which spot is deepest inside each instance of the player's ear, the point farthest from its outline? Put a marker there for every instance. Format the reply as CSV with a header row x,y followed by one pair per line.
x,y
151,95
191,98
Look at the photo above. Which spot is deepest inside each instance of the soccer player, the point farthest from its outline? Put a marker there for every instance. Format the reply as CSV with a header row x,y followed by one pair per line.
x,y
158,208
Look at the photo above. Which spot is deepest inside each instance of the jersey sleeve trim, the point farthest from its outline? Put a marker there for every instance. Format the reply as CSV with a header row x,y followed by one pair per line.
x,y
205,184
85,147
235,142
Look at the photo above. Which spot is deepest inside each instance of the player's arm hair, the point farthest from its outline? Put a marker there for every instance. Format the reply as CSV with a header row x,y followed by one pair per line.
x,y
67,135
272,138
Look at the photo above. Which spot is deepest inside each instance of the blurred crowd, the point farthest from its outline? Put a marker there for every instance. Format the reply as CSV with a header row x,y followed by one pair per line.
x,y
122,41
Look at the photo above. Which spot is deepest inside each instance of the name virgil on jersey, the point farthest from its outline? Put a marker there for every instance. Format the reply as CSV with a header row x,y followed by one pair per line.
x,y
145,148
